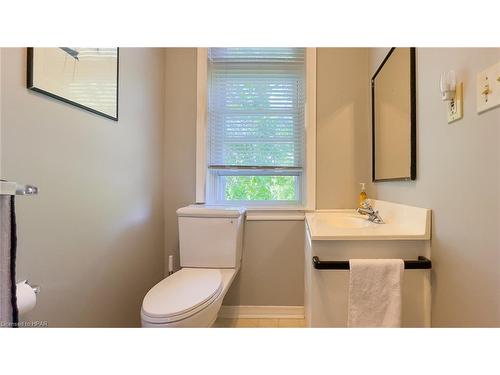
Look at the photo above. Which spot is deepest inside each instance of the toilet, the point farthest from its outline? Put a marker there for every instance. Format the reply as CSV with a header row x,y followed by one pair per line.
x,y
211,242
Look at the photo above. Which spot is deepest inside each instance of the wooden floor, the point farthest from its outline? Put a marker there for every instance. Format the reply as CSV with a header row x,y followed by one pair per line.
x,y
259,323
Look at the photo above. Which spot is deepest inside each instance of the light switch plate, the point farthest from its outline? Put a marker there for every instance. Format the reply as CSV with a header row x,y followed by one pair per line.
x,y
455,107
488,88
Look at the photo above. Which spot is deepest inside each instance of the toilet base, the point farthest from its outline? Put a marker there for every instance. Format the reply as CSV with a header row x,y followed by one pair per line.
x,y
204,318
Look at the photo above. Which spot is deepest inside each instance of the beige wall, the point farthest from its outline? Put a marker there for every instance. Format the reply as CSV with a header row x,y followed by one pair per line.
x,y
1,174
458,177
343,130
265,243
179,141
93,237
272,272
343,150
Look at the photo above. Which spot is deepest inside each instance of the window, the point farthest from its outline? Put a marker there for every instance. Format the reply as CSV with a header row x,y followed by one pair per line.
x,y
253,131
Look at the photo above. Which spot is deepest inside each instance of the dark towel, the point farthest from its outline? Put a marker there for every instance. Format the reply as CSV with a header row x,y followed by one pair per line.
x,y
8,245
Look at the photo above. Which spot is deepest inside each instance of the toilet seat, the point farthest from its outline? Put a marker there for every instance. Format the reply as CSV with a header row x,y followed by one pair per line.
x,y
182,295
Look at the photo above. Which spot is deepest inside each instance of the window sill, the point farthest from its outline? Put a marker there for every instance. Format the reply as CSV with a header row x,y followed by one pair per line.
x,y
275,213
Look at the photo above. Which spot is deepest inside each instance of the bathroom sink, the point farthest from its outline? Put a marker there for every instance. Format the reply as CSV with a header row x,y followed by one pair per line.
x,y
401,222
345,221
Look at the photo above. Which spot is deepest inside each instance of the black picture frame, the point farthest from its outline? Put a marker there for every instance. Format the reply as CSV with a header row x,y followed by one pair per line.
x,y
30,86
413,118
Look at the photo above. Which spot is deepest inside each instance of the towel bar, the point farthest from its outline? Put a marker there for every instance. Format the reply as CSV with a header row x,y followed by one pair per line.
x,y
421,264
11,188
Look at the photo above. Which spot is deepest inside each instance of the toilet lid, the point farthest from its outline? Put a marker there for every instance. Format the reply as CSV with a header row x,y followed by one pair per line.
x,y
185,290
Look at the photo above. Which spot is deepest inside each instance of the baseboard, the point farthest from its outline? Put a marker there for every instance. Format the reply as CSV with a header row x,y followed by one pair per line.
x,y
277,312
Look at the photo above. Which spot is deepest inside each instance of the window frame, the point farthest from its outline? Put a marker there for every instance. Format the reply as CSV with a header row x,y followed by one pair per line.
x,y
204,180
217,193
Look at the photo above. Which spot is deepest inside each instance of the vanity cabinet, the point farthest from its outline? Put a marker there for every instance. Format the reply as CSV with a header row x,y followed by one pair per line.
x,y
406,235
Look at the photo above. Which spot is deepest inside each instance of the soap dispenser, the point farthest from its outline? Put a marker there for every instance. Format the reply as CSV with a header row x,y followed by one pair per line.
x,y
362,194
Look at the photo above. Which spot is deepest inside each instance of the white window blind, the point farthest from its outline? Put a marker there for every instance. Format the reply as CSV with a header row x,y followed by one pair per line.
x,y
256,100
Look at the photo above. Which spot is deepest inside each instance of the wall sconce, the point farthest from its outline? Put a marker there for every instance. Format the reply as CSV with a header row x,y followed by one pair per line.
x,y
451,93
448,85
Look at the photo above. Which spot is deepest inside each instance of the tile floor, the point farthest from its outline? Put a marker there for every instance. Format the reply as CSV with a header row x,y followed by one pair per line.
x,y
259,323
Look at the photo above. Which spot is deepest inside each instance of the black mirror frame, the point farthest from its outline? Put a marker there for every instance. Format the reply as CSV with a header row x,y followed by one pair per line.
x,y
30,86
413,119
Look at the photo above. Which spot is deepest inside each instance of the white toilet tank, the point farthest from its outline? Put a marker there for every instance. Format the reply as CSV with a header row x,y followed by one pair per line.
x,y
210,237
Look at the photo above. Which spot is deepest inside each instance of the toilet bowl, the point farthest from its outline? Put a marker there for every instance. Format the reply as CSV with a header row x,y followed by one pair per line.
x,y
191,297
211,241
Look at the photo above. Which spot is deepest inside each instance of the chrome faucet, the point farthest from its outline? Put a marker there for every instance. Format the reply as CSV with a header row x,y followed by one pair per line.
x,y
367,209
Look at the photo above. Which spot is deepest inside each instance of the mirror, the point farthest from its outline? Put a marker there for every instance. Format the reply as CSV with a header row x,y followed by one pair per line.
x,y
394,117
86,77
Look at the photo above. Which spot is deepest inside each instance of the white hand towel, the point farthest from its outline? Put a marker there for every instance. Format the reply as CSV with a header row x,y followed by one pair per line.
x,y
375,292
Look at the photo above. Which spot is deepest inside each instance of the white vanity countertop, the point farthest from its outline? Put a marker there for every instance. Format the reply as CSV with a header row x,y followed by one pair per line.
x,y
401,222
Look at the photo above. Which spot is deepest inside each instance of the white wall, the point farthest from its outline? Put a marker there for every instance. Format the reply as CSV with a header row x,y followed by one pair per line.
x,y
458,177
93,237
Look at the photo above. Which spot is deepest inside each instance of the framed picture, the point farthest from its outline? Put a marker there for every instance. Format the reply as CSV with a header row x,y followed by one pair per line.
x,y
84,77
